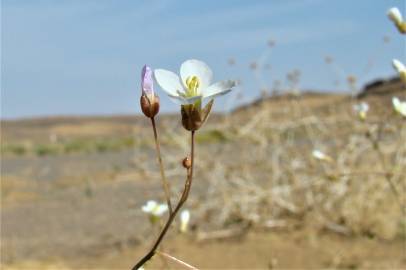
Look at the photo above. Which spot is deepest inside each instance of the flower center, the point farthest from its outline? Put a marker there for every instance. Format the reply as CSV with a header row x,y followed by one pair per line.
x,y
192,84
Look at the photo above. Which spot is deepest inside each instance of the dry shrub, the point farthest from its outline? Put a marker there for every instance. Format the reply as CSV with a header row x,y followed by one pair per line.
x,y
265,174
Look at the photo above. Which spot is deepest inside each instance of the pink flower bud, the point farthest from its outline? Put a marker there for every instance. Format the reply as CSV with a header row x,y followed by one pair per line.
x,y
149,101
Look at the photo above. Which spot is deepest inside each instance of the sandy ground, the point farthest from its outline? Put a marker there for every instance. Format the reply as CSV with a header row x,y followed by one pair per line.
x,y
299,249
104,229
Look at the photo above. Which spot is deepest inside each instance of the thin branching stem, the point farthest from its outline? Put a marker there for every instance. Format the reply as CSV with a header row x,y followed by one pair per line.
x,y
388,175
182,200
161,166
165,255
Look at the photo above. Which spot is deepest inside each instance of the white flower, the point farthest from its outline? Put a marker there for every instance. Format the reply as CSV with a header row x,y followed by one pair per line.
x,y
362,109
184,220
395,15
400,68
321,156
399,106
398,65
318,154
194,83
154,209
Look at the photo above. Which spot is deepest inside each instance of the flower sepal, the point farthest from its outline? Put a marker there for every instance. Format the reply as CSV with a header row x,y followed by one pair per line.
x,y
149,105
193,117
154,219
401,27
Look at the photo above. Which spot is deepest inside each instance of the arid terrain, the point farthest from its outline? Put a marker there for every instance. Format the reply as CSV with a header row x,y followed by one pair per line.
x,y
72,188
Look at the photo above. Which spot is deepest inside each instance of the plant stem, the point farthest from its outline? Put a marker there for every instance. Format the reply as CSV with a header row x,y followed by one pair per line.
x,y
388,176
161,166
176,260
182,200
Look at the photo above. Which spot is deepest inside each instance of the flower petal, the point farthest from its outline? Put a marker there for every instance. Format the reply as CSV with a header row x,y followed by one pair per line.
x,y
160,210
168,81
399,106
185,216
149,207
361,107
398,66
184,220
147,83
395,15
396,103
218,88
196,68
318,154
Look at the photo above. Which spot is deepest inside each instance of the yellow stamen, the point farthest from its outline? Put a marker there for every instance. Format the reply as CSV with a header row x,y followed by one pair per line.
x,y
362,115
192,84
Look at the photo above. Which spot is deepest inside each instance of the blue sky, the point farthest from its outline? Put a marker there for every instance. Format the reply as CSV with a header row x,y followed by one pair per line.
x,y
85,56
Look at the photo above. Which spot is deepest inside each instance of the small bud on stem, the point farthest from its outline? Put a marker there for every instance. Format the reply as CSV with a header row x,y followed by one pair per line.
x,y
149,100
187,163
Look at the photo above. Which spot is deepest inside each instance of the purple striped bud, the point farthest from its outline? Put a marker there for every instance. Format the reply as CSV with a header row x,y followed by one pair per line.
x,y
149,100
147,83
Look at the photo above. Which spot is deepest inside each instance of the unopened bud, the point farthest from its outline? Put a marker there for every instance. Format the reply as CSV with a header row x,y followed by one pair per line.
x,y
149,100
187,163
150,107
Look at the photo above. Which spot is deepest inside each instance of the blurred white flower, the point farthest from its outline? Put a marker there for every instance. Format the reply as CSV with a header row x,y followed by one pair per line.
x,y
396,17
361,109
400,68
154,209
317,154
194,83
184,220
399,106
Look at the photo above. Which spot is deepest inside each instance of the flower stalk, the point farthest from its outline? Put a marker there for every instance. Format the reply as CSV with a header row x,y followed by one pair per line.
x,y
165,183
182,200
149,102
